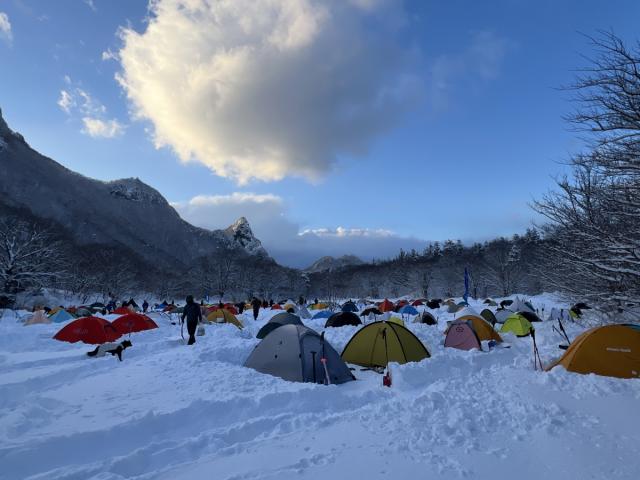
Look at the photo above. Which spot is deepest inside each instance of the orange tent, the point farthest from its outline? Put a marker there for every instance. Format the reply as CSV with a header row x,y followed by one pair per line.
x,y
611,351
386,306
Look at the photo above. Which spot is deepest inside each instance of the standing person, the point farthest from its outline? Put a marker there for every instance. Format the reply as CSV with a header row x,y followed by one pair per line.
x,y
301,300
240,306
145,306
194,316
255,303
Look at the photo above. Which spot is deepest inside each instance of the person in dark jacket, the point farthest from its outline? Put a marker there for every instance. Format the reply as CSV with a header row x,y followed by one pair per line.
x,y
145,306
194,316
255,303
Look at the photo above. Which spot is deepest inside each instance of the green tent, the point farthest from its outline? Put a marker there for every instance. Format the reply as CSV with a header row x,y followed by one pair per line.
x,y
379,343
517,325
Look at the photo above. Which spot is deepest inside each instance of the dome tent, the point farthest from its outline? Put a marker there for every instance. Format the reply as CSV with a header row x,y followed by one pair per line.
x,y
341,319
294,353
349,307
61,316
278,321
488,316
379,343
482,328
518,325
462,335
611,351
502,315
222,315
427,318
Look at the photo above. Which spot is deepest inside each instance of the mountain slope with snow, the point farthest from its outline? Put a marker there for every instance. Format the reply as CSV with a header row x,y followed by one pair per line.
x,y
125,212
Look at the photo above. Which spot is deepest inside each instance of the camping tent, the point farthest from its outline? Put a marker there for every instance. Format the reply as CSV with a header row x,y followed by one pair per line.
x,y
427,318
520,305
295,353
517,325
559,314
61,316
532,317
349,307
502,315
341,319
278,321
453,308
322,314
222,315
38,317
408,310
488,316
462,335
611,350
483,329
386,306
304,313
381,342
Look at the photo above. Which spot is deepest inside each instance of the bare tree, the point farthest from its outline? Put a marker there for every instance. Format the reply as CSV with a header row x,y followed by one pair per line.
x,y
29,256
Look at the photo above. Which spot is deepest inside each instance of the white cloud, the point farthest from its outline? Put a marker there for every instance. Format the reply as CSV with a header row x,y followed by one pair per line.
x,y
77,102
97,128
283,238
91,5
262,90
5,28
481,60
66,101
109,55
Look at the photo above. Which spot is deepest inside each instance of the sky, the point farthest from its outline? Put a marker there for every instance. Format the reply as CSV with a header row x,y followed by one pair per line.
x,y
335,127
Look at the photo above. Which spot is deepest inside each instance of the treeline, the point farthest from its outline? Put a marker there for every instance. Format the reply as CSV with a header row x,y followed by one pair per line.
x,y
496,268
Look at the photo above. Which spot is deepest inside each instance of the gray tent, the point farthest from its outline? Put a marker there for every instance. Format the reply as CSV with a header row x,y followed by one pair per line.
x,y
502,315
284,318
304,313
293,352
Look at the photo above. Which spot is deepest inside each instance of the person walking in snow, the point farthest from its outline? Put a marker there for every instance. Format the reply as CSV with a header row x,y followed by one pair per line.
x,y
194,316
255,303
145,306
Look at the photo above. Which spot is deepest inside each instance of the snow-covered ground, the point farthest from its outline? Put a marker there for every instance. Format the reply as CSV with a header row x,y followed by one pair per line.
x,y
174,412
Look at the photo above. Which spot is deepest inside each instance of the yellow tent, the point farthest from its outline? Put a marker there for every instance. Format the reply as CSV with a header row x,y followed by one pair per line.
x,y
222,315
290,305
397,320
518,325
381,342
37,317
318,306
611,351
483,329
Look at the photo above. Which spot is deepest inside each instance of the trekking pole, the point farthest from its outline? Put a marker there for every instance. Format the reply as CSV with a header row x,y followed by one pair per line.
x,y
323,360
563,331
313,355
536,354
386,379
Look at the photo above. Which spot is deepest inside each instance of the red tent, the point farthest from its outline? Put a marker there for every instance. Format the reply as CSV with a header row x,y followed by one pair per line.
x,y
133,322
276,307
417,303
91,330
122,311
386,306
231,308
402,303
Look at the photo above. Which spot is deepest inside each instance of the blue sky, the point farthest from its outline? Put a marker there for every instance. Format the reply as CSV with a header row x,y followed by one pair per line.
x,y
398,122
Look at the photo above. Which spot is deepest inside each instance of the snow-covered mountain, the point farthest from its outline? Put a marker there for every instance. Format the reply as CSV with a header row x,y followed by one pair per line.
x,y
241,234
125,213
332,263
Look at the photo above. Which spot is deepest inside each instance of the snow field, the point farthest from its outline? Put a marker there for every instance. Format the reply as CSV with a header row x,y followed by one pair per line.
x,y
173,412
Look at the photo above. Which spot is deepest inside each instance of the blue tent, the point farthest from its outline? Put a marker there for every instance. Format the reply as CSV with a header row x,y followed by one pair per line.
x,y
61,316
408,310
322,314
349,307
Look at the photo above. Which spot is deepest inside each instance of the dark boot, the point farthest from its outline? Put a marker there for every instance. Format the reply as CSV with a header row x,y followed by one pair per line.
x,y
192,340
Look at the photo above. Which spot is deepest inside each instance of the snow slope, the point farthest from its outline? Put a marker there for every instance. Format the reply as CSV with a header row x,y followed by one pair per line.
x,y
174,412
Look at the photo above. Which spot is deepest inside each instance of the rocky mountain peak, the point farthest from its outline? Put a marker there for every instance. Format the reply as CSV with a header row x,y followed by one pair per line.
x,y
241,234
135,190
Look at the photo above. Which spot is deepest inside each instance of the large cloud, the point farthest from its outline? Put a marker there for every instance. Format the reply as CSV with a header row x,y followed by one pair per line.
x,y
282,237
266,89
